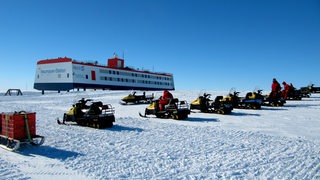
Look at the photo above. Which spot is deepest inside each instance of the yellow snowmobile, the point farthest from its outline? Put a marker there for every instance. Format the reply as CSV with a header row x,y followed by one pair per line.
x,y
241,102
175,109
267,100
206,105
137,99
97,114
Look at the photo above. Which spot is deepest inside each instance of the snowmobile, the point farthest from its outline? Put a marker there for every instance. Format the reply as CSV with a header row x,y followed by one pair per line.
x,y
242,102
18,128
176,109
267,100
96,115
305,92
314,89
137,99
206,105
294,94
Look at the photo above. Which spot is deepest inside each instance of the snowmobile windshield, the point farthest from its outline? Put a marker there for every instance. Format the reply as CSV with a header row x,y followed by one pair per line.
x,y
232,91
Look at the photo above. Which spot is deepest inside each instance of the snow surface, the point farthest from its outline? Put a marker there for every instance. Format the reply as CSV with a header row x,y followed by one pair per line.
x,y
271,143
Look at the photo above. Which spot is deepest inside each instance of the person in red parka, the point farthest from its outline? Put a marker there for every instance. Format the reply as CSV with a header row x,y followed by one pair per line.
x,y
275,87
165,99
286,89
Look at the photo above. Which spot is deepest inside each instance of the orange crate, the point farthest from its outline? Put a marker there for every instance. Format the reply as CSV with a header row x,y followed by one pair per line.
x,y
13,125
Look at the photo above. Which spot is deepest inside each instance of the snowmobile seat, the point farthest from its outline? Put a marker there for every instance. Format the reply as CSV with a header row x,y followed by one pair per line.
x,y
99,103
81,105
248,95
105,107
218,98
94,109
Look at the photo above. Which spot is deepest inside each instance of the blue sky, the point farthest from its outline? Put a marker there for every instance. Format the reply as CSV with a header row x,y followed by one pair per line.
x,y
206,44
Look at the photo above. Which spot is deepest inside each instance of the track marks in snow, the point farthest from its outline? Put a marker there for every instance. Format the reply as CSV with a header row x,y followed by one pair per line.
x,y
10,171
37,163
164,150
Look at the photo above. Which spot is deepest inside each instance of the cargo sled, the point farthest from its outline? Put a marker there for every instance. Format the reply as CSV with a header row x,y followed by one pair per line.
x,y
19,128
176,109
96,115
133,98
241,102
206,105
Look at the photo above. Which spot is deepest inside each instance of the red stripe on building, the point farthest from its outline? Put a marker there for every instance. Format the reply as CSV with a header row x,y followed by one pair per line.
x,y
58,60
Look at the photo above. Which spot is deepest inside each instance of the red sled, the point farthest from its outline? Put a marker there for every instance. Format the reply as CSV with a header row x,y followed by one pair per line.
x,y
17,128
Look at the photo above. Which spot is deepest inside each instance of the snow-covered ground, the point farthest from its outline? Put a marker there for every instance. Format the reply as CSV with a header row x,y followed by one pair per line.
x,y
271,143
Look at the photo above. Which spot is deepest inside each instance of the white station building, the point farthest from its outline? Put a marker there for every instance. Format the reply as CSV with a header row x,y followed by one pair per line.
x,y
64,74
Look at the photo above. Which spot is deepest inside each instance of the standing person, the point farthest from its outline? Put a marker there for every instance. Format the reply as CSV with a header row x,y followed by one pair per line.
x,y
286,90
275,89
165,99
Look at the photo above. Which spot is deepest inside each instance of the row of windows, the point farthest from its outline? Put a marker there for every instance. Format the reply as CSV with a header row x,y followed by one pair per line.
x,y
116,79
133,81
124,80
105,71
59,76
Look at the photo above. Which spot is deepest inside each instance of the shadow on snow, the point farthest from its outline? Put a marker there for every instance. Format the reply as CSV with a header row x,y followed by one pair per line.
x,y
302,105
117,127
47,151
196,119
242,114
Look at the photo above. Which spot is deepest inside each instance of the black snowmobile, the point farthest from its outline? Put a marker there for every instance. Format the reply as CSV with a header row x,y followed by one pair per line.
x,y
137,99
305,92
294,94
241,102
314,89
206,105
97,114
175,109
273,99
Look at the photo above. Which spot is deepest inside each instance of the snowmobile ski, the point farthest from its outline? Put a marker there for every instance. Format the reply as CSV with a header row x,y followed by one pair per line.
x,y
141,115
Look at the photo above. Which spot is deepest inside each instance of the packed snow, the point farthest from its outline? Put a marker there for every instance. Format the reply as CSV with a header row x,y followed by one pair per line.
x,y
271,143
